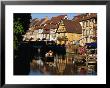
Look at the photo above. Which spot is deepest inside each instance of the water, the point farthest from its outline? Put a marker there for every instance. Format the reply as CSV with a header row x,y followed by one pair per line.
x,y
31,60
61,65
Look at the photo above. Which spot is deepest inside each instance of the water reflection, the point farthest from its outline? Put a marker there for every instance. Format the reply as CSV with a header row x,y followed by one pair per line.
x,y
60,65
34,60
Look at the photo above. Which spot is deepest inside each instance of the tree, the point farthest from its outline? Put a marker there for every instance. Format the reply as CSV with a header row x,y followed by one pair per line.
x,y
21,53
24,18
21,25
18,30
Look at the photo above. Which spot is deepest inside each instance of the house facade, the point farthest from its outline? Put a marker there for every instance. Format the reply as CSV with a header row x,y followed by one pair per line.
x,y
68,31
80,30
36,29
52,26
89,27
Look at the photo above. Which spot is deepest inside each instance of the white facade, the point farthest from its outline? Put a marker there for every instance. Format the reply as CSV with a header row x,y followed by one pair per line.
x,y
88,31
53,34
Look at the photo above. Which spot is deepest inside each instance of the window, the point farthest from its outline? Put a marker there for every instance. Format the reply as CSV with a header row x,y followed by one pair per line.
x,y
86,32
83,24
53,36
91,31
87,23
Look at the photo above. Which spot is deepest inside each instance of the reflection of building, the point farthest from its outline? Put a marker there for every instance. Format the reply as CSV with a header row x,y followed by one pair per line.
x,y
69,31
89,27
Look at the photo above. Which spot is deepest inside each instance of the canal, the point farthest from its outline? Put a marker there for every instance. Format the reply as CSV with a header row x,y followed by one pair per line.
x,y
32,59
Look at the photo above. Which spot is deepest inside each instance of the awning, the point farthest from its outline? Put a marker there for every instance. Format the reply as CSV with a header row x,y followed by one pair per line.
x,y
92,45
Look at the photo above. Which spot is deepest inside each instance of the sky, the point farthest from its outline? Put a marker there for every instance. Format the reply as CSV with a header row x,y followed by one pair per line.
x,y
50,15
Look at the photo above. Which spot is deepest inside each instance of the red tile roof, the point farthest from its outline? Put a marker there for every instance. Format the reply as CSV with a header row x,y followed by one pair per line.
x,y
38,27
72,26
86,16
40,22
46,32
50,26
48,22
34,22
57,19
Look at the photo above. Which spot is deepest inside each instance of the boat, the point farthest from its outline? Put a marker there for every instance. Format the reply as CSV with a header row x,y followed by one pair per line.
x,y
49,56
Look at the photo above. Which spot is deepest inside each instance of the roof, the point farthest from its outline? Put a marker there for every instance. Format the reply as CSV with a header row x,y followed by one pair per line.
x,y
46,32
33,22
38,27
72,26
40,22
48,22
57,19
92,45
50,26
85,16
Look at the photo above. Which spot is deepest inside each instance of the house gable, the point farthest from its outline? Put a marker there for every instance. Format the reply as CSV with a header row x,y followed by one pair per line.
x,y
61,28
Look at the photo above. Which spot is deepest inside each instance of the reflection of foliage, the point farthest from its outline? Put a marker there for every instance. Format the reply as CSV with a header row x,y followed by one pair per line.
x,y
21,25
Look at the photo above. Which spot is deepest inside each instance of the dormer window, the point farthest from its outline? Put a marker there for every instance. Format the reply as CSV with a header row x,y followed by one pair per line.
x,y
65,17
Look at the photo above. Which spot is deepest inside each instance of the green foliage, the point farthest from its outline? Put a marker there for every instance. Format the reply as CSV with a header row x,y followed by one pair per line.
x,y
24,19
18,31
20,26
